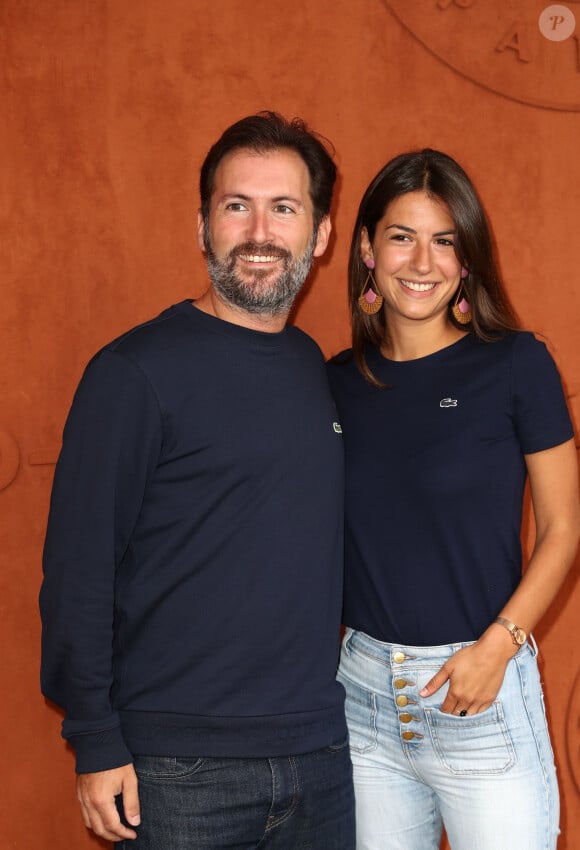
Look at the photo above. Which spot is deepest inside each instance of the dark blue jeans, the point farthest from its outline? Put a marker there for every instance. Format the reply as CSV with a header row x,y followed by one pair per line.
x,y
290,803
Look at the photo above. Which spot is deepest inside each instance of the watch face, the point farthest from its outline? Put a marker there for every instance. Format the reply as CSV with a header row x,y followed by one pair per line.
x,y
520,636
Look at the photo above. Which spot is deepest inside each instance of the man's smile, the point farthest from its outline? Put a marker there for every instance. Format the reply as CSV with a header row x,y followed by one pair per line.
x,y
259,258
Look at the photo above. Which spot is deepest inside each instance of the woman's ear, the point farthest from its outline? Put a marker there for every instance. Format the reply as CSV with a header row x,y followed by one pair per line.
x,y
366,249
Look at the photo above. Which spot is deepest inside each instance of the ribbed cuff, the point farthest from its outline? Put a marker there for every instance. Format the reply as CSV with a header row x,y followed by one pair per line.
x,y
100,750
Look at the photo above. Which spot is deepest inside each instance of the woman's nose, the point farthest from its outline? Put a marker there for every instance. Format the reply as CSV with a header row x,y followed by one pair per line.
x,y
421,259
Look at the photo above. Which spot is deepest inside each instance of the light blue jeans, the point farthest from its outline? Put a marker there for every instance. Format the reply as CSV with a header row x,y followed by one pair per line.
x,y
489,779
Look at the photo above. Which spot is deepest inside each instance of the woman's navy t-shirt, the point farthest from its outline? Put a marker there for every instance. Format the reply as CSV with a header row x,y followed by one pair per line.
x,y
435,476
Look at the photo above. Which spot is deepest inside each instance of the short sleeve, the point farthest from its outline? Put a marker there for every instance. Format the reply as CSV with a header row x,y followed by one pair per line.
x,y
541,415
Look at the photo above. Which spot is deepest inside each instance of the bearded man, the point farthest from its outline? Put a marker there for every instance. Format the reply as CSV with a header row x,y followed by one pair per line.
x,y
193,562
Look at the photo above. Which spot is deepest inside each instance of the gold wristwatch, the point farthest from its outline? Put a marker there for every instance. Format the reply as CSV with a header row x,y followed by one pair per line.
x,y
519,637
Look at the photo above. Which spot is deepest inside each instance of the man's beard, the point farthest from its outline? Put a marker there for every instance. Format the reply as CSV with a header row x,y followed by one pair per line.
x,y
263,290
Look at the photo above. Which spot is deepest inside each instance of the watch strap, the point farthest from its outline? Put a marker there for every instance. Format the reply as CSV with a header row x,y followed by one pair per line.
x,y
519,636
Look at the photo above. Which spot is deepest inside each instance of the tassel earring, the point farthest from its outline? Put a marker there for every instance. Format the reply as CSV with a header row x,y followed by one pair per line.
x,y
370,300
461,309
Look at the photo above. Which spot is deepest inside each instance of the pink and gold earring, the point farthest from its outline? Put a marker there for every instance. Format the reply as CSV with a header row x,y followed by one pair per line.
x,y
370,299
461,309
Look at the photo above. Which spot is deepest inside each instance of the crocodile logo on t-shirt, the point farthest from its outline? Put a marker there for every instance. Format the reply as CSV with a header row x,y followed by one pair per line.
x,y
448,402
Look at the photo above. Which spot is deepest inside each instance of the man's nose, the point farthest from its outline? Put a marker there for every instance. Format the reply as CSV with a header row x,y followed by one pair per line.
x,y
259,226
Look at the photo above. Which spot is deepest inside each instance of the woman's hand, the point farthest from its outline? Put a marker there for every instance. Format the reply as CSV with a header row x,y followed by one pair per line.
x,y
475,673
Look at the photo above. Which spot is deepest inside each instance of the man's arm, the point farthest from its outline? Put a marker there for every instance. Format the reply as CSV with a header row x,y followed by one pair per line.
x,y
111,444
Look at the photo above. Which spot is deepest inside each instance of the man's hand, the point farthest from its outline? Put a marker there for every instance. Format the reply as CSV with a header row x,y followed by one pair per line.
x,y
97,792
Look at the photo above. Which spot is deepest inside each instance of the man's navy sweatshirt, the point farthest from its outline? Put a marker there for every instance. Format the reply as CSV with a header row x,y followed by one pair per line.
x,y
193,561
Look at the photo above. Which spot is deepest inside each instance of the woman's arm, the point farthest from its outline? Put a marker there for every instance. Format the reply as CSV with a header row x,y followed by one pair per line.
x,y
553,478
475,673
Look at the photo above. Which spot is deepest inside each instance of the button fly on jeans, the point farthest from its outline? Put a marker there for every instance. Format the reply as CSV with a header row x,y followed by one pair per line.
x,y
408,736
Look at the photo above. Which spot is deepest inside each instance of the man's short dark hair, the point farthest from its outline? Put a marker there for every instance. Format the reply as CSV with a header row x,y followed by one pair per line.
x,y
270,131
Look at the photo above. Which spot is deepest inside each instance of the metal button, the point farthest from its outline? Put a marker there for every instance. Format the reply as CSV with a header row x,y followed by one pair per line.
x,y
398,657
400,683
408,736
402,700
405,718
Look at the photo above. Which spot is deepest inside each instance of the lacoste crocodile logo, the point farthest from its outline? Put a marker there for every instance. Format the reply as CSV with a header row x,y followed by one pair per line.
x,y
448,402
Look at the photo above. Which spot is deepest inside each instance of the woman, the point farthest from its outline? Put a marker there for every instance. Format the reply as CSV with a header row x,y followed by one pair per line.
x,y
445,408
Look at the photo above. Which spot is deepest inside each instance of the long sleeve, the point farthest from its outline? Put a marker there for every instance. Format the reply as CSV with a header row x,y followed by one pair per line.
x,y
111,445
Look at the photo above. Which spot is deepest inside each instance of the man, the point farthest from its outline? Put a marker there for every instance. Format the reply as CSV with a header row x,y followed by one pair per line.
x,y
192,591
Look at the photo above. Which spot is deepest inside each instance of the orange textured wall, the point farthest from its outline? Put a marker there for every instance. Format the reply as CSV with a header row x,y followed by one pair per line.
x,y
107,109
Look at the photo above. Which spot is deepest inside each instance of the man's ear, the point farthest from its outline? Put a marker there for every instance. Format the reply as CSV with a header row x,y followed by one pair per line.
x,y
200,231
322,236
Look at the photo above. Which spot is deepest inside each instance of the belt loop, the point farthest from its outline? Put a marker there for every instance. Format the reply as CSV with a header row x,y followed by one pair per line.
x,y
535,650
347,638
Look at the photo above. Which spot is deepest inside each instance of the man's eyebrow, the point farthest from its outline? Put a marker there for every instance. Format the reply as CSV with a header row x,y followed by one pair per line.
x,y
247,198
410,230
292,200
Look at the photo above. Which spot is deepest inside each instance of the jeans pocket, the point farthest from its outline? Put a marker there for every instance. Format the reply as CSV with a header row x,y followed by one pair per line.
x,y
476,745
361,716
166,767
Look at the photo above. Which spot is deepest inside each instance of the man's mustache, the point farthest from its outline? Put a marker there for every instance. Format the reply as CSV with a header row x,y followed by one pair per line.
x,y
260,250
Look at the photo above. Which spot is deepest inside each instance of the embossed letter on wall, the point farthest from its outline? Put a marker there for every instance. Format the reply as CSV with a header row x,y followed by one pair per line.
x,y
503,46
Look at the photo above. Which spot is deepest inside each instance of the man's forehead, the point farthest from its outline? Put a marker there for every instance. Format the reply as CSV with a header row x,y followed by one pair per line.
x,y
275,173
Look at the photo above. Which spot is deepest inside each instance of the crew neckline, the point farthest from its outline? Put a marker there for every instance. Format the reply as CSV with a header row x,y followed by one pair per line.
x,y
211,323
440,354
